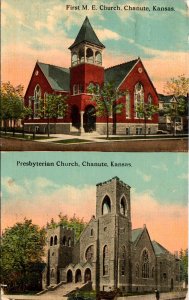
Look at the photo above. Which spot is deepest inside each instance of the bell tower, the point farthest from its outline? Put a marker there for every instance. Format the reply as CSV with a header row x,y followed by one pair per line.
x,y
86,60
113,213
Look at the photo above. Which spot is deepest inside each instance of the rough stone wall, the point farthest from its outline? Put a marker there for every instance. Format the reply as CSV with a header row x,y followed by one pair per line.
x,y
143,284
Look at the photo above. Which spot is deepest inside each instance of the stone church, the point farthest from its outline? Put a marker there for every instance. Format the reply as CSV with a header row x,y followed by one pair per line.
x,y
87,70
109,253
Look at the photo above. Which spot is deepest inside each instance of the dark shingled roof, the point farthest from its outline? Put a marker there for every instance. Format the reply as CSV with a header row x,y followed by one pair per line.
x,y
117,73
58,78
165,98
159,249
136,233
87,34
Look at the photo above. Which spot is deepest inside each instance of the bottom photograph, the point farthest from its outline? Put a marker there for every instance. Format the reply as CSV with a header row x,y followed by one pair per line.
x,y
94,226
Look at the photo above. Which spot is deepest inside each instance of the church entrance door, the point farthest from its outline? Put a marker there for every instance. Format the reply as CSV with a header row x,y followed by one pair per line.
x,y
87,275
75,117
89,119
69,276
78,277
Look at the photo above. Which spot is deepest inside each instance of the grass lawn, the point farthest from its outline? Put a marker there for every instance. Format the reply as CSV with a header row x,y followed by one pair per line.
x,y
70,141
26,136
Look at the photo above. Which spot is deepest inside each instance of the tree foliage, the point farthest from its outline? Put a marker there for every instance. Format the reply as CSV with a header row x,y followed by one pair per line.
x,y
52,107
183,255
12,105
22,249
107,100
177,86
146,111
74,222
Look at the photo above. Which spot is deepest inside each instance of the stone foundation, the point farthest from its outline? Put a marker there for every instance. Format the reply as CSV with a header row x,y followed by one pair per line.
x,y
101,128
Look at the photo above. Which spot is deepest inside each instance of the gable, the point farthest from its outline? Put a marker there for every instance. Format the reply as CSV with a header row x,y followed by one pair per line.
x,y
142,240
117,73
58,77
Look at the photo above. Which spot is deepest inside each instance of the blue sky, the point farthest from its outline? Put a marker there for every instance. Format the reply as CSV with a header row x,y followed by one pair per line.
x,y
45,29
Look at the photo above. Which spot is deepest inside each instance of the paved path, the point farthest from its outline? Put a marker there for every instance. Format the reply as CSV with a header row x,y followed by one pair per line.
x,y
163,296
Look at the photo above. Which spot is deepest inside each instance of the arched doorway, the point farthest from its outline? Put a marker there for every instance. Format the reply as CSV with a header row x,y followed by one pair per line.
x,y
89,119
75,117
87,275
78,277
69,276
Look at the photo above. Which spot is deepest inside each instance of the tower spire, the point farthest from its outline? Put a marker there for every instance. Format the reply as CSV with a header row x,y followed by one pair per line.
x,y
87,34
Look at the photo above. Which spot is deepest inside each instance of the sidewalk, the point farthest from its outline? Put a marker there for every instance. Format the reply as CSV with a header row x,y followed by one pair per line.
x,y
163,296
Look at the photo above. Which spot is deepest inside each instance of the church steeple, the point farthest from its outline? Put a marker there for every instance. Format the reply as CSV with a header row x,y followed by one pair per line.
x,y
86,48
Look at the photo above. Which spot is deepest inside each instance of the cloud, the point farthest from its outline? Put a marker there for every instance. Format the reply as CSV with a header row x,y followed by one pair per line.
x,y
183,176
161,166
145,177
42,199
106,34
167,224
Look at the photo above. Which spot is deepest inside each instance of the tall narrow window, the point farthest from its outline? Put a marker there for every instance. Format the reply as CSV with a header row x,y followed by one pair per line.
x,y
89,254
55,240
106,205
37,97
137,270
123,206
145,264
51,241
74,59
150,102
138,99
128,105
98,58
105,260
123,260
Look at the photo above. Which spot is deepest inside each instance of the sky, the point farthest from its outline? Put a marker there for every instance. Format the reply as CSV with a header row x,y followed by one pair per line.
x,y
158,181
43,30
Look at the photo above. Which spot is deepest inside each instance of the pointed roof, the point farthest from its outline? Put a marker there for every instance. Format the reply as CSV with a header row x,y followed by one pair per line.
x,y
58,78
136,233
159,249
119,72
87,34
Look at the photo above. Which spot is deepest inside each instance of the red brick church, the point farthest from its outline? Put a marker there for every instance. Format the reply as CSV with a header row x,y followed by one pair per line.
x,y
87,69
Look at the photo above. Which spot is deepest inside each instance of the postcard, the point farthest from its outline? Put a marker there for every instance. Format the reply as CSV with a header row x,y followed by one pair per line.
x,y
100,223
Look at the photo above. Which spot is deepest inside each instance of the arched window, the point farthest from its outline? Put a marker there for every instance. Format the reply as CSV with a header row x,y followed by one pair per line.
x,y
69,242
138,98
81,55
105,260
137,271
89,55
45,100
37,97
74,59
92,232
89,254
55,240
51,241
75,89
150,102
128,105
80,89
64,241
106,205
145,264
123,206
98,58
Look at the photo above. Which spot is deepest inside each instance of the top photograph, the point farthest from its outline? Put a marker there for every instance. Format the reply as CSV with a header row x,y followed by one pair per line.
x,y
107,76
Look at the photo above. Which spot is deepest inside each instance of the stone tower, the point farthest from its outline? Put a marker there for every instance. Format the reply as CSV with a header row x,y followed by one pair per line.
x,y
113,213
60,241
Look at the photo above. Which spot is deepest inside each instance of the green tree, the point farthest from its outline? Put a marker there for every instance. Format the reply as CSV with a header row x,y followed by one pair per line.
x,y
183,255
74,222
146,111
12,106
22,248
179,88
107,101
52,107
